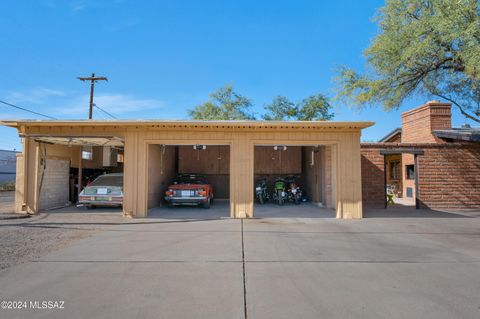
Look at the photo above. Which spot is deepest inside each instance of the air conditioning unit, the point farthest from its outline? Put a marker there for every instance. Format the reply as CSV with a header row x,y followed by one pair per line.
x,y
109,156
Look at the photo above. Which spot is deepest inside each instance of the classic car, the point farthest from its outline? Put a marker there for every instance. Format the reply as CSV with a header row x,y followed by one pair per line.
x,y
105,190
189,189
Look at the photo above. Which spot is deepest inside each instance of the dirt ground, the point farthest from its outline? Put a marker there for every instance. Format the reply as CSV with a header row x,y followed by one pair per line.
x,y
7,200
28,239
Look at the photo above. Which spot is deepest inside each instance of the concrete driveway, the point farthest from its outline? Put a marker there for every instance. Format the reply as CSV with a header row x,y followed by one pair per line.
x,y
418,265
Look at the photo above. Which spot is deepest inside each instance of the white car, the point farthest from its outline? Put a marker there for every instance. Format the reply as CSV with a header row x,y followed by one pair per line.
x,y
105,190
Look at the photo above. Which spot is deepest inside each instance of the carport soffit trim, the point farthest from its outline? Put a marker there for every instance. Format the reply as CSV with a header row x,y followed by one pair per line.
x,y
200,124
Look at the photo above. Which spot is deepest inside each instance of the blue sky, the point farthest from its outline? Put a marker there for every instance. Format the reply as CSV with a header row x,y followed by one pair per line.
x,y
164,57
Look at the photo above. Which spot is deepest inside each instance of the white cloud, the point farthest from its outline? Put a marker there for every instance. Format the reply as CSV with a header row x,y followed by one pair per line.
x,y
10,116
36,95
71,104
116,104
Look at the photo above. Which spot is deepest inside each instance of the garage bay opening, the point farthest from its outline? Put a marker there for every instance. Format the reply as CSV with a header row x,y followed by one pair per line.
x,y
76,173
293,181
188,181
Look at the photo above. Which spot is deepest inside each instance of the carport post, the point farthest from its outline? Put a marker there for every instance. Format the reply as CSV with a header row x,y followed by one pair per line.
x,y
80,175
415,162
385,201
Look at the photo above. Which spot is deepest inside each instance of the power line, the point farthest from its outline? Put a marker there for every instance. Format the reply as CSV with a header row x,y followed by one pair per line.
x,y
98,107
26,110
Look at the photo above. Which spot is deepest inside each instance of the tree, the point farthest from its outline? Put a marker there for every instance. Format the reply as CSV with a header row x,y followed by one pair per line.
x,y
224,104
281,109
315,107
425,47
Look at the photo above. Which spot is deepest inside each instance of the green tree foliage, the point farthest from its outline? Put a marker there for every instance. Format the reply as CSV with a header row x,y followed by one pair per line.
x,y
427,47
313,108
224,104
281,109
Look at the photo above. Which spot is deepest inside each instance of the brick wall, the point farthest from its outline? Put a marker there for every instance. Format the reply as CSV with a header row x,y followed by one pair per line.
x,y
373,183
417,124
450,177
449,174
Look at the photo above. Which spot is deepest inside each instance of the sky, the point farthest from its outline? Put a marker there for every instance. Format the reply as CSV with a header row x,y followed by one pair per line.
x,y
164,57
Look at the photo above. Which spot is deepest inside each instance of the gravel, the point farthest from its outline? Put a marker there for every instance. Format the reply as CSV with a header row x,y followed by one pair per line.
x,y
7,201
24,240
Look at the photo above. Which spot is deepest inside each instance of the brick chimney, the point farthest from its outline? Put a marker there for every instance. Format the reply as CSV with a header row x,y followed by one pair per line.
x,y
418,124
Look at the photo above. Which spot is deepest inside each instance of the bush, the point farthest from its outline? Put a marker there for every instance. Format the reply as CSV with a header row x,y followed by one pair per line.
x,y
7,186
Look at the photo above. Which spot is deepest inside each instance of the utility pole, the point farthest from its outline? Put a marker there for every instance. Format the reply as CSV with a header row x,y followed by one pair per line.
x,y
92,79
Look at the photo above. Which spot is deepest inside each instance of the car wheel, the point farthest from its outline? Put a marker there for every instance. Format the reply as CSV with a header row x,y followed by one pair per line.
x,y
207,203
91,206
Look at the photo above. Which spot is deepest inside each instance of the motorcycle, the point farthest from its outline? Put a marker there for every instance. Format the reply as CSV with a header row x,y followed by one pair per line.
x,y
279,193
261,191
294,193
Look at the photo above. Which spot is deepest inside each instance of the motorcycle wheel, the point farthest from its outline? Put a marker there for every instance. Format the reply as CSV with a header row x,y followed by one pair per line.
x,y
261,199
280,198
297,199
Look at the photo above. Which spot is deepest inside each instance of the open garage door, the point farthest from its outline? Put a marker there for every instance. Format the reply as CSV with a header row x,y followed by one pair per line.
x,y
293,181
184,178
69,164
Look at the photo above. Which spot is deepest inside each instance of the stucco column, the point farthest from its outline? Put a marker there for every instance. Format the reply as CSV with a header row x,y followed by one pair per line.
x,y
348,179
134,176
26,192
241,177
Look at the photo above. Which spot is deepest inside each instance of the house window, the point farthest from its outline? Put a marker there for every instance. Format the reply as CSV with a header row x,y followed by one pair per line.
x,y
395,170
410,171
87,153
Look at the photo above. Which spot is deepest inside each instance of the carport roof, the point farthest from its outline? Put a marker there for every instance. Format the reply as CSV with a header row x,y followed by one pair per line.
x,y
80,141
193,124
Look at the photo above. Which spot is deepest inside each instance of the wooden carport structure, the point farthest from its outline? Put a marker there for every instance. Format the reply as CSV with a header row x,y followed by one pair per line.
x,y
240,136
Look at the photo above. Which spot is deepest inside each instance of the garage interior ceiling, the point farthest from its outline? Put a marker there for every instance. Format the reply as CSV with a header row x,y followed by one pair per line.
x,y
112,141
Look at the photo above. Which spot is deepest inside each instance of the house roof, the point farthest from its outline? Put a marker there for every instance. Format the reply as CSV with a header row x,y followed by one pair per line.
x,y
470,134
390,135
192,123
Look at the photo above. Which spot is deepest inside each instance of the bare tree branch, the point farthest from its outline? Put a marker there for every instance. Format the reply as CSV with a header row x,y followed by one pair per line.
x,y
459,107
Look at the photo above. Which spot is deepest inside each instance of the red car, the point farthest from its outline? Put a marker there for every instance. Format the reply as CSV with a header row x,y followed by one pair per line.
x,y
189,189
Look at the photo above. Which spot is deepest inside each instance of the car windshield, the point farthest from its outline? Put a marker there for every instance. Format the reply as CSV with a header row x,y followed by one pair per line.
x,y
108,180
190,179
